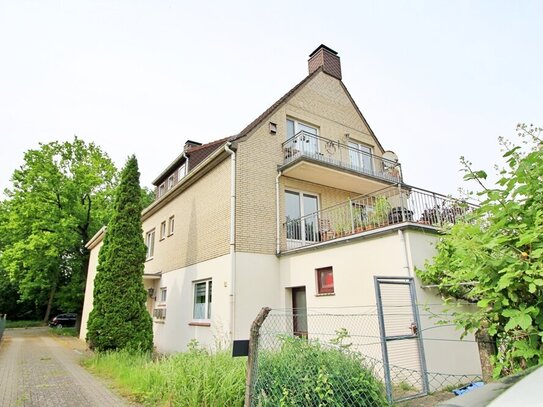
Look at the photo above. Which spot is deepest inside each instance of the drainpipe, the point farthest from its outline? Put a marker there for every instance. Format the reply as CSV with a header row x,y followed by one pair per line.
x,y
277,220
405,252
232,238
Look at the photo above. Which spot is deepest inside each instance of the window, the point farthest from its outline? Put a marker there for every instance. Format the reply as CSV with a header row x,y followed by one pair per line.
x,y
303,137
301,216
170,182
161,190
171,225
325,280
182,171
360,156
163,294
159,314
150,243
202,300
163,230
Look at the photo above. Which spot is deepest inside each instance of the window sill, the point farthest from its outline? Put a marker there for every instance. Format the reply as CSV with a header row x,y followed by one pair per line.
x,y
324,294
162,238
197,323
159,321
149,259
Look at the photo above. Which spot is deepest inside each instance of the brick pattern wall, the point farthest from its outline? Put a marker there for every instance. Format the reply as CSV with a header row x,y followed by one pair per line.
x,y
323,103
330,63
202,222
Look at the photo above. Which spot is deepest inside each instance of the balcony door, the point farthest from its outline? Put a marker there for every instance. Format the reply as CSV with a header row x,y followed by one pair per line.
x,y
304,137
360,157
301,217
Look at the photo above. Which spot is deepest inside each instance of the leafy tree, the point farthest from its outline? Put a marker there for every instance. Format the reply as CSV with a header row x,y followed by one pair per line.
x,y
60,197
496,260
119,318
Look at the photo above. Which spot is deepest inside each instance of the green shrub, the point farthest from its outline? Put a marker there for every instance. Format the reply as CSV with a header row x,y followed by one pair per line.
x,y
194,378
305,373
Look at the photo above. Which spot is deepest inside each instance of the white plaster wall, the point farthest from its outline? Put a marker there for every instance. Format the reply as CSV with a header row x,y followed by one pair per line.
x,y
175,333
257,286
89,290
444,351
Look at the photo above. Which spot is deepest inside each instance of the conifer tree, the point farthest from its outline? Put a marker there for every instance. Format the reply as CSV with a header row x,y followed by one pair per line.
x,y
119,318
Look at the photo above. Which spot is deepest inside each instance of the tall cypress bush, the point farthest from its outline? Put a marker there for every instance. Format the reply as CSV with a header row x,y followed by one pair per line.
x,y
119,318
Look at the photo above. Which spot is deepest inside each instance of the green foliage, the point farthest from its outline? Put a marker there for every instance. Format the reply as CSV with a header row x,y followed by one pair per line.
x,y
119,318
59,198
23,324
64,331
194,378
306,373
500,249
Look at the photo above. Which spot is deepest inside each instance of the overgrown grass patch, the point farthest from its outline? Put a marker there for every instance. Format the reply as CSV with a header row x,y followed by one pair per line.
x,y
194,378
24,324
64,331
307,373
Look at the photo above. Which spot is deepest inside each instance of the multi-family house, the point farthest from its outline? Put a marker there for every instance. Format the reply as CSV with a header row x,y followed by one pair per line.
x,y
302,209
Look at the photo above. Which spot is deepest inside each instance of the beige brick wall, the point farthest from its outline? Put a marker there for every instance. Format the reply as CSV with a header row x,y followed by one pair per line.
x,y
202,222
323,103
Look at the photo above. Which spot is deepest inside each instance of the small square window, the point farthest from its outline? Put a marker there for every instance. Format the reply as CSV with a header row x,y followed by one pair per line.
x,y
162,230
325,280
171,225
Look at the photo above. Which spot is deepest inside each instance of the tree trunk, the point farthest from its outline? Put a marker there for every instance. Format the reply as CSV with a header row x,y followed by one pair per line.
x,y
50,302
487,349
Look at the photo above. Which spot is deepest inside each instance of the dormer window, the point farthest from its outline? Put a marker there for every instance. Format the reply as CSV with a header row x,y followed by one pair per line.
x,y
182,171
161,190
170,182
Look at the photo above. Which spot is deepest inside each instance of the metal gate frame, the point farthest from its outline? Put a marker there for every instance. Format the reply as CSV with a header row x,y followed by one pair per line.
x,y
378,280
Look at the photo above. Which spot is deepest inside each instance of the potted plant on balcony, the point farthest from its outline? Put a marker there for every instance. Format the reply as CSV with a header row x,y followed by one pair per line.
x,y
379,216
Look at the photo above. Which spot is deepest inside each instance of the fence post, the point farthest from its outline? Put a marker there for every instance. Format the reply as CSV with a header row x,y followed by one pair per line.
x,y
252,359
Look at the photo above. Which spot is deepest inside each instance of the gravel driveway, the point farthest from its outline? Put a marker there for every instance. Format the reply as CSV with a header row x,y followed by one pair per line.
x,y
38,369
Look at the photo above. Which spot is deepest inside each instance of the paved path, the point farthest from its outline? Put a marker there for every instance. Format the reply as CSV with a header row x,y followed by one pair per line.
x,y
37,369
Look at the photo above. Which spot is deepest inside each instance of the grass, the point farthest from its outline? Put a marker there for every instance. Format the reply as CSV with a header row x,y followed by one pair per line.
x,y
64,331
194,378
24,324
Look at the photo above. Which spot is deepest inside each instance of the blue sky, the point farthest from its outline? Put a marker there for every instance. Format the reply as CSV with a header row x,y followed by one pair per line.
x,y
435,79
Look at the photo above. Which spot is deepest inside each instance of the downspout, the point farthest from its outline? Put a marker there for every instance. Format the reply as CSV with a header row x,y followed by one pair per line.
x,y
405,252
232,242
277,219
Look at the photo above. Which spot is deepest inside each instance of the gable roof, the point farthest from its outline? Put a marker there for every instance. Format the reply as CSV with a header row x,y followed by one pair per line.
x,y
199,153
269,111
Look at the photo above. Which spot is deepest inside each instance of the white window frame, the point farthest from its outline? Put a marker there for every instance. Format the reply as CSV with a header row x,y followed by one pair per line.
x,y
182,171
163,294
161,189
208,301
360,162
300,143
303,237
162,230
150,243
171,225
171,180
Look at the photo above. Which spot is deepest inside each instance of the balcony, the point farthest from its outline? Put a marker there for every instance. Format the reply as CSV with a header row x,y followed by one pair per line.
x,y
328,162
388,206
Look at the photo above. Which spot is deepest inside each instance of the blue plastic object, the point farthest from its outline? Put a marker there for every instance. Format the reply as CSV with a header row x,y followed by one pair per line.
x,y
467,388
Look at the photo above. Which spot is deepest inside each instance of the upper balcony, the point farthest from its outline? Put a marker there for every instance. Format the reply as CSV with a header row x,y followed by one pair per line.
x,y
332,163
367,213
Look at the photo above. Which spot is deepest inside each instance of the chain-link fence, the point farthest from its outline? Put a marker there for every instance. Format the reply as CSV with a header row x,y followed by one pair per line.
x,y
2,325
336,359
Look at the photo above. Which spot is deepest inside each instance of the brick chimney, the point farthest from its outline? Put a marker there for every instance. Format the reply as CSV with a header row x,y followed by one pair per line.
x,y
189,144
328,59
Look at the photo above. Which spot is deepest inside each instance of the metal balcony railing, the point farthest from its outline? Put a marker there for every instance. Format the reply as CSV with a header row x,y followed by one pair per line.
x,y
332,152
389,206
